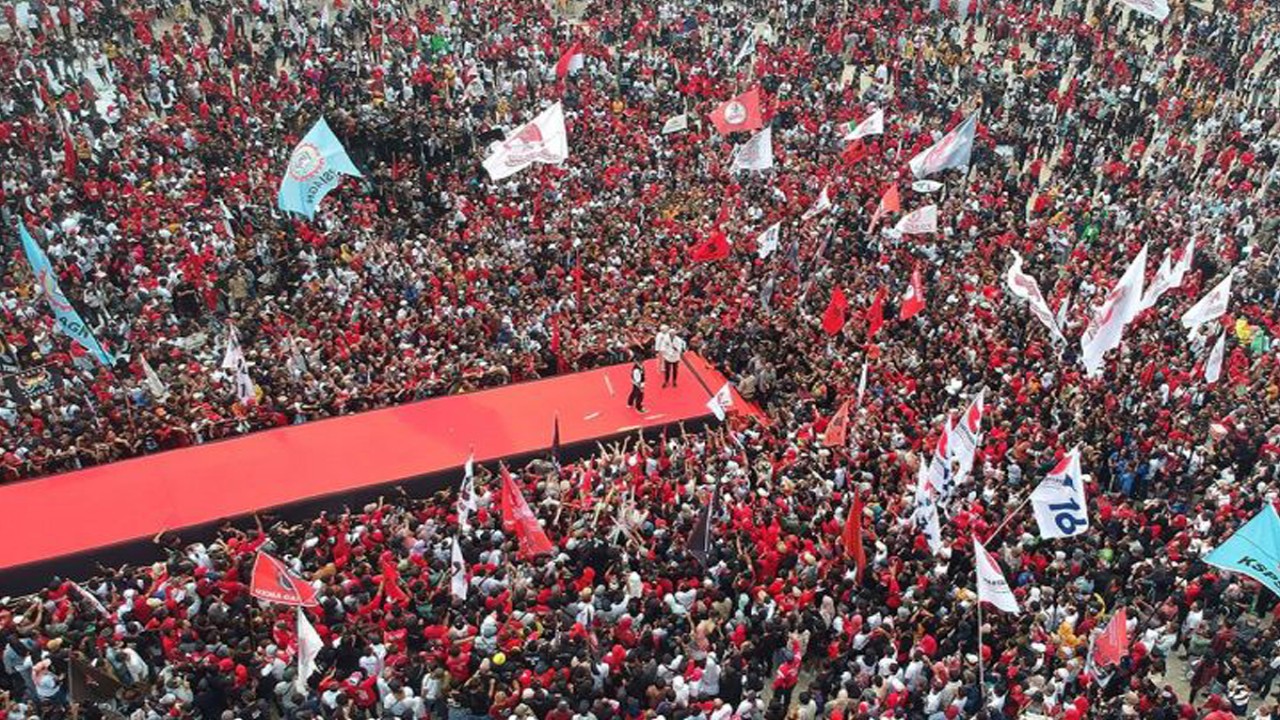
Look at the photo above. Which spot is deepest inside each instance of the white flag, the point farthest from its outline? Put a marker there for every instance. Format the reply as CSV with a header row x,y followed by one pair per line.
x,y
1211,306
992,587
1064,311
1025,287
458,572
925,515
747,48
873,125
756,153
155,385
1059,503
467,493
822,205
1158,9
966,436
720,403
542,140
233,360
952,151
767,241
676,123
919,222
309,645
862,385
939,472
1106,327
1213,367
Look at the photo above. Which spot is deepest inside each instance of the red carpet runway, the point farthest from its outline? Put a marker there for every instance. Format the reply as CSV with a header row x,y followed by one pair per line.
x,y
104,506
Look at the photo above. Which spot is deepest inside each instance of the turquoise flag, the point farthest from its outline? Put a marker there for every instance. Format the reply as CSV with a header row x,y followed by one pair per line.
x,y
315,167
69,321
1254,549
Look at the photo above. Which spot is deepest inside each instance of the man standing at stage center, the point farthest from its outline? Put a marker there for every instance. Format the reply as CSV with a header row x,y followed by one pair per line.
x,y
636,398
670,347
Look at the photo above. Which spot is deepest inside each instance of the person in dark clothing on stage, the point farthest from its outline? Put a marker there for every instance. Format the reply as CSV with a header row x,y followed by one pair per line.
x,y
636,398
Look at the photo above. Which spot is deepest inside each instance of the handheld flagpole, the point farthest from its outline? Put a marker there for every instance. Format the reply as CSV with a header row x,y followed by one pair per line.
x,y
982,685
1008,516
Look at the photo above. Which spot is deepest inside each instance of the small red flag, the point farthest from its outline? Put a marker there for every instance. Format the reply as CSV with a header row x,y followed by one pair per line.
x,y
833,317
69,158
518,517
855,152
739,114
273,581
913,298
853,536
837,431
714,247
875,314
1113,643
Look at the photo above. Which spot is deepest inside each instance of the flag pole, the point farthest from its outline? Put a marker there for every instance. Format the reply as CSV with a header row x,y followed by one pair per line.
x,y
1008,516
982,685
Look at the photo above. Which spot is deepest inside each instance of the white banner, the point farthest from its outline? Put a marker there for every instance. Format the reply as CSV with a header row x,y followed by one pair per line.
x,y
1213,367
1158,9
1211,306
952,151
873,125
919,222
1059,503
756,153
541,140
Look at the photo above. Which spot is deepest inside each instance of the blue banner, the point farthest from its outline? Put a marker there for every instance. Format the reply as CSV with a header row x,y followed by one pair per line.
x,y
315,167
69,321
1254,550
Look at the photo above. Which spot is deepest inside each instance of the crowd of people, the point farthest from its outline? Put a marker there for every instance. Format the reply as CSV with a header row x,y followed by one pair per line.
x,y
143,142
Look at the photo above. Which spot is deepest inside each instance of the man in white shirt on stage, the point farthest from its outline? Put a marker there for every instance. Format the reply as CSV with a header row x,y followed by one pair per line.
x,y
670,347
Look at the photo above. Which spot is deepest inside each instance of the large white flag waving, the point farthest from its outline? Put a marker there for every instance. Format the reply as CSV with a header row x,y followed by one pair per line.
x,y
1211,306
767,241
309,645
1059,502
952,151
820,206
1106,327
756,153
542,140
919,222
992,587
873,125
1025,287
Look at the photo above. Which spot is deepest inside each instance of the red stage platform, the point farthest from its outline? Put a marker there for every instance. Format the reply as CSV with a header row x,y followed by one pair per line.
x,y
105,506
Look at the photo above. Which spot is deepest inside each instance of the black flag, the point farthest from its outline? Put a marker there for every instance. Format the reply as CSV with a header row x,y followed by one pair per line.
x,y
699,544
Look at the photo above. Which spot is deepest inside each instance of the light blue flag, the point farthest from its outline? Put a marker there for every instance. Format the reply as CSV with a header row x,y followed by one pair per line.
x,y
1254,550
315,167
69,321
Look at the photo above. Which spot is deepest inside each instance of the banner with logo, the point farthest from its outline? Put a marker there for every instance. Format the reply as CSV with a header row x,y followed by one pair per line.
x,y
315,168
1254,549
25,386
68,320
543,139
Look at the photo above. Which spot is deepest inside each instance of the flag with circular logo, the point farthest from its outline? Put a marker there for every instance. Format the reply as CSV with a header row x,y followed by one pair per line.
x,y
315,168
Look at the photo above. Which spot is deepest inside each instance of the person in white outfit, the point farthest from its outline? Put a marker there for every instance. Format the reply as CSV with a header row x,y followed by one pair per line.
x,y
670,347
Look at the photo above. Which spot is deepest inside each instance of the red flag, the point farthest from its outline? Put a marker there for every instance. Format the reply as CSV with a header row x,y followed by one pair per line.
x,y
229,42
838,429
833,317
273,580
853,536
854,152
1113,643
68,156
739,114
875,314
913,298
891,202
518,517
715,246
571,61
